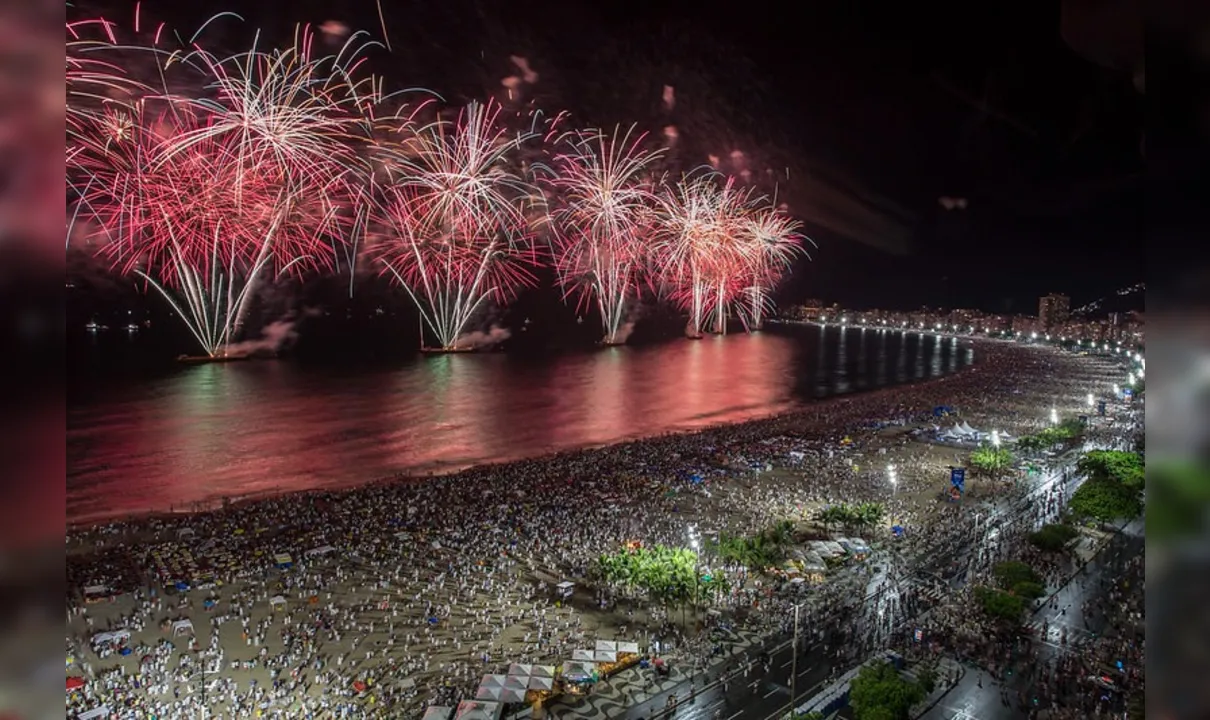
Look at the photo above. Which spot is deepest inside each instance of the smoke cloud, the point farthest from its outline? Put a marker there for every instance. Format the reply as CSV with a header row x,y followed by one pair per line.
x,y
274,337
952,203
480,340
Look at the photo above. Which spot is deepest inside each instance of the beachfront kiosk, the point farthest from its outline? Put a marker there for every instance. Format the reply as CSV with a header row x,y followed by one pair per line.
x,y
565,590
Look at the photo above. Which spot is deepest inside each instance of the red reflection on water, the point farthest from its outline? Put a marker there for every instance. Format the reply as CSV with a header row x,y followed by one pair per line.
x,y
238,429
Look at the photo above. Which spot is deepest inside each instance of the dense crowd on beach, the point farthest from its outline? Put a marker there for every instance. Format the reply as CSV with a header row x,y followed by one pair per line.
x,y
377,601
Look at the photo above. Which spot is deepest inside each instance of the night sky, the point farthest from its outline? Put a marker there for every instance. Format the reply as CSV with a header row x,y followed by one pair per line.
x,y
875,111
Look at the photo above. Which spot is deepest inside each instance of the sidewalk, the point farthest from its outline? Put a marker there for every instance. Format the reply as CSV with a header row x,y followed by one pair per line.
x,y
949,673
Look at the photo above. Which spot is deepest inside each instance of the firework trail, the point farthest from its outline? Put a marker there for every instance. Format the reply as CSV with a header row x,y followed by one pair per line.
x,y
775,241
456,219
604,193
205,197
698,249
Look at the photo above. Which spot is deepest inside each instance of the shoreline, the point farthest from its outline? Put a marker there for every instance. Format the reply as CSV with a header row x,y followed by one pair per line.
x,y
219,505
418,589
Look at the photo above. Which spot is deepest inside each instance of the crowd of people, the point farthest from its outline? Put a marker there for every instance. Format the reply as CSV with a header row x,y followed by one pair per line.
x,y
378,601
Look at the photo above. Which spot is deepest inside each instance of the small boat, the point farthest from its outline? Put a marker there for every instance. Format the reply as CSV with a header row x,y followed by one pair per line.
x,y
446,351
203,359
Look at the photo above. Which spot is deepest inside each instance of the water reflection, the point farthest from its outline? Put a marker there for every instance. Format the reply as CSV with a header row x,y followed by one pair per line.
x,y
211,431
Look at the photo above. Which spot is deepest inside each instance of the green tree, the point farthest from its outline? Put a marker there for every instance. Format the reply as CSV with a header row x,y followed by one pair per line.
x,y
879,692
1010,573
1105,500
1000,605
1120,466
989,460
1053,538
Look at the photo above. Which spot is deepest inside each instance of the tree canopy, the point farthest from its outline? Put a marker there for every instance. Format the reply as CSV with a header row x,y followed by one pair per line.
x,y
666,574
1052,538
990,460
1123,467
879,692
1114,488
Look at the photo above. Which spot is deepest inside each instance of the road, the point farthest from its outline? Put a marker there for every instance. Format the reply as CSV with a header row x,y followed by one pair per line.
x,y
978,696
759,695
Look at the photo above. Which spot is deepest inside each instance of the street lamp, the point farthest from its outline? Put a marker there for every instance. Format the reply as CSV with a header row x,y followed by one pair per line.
x,y
894,478
1054,416
996,439
1091,400
794,661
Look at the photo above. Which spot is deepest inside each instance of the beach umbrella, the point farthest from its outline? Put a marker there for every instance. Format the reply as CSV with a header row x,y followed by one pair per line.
x,y
75,683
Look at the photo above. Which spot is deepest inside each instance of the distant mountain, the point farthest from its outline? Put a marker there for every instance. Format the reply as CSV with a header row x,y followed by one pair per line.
x,y
1126,299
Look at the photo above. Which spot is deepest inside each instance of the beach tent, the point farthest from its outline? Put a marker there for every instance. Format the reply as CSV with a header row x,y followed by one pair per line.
x,y
488,693
283,561
180,627
577,671
438,712
541,683
583,656
513,695
628,648
322,550
519,670
99,713
543,671
478,710
74,683
114,637
277,601
606,651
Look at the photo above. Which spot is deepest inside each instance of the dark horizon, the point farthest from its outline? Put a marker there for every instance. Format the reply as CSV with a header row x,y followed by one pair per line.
x,y
883,121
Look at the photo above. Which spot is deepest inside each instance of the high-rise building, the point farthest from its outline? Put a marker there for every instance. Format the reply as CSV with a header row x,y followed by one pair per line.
x,y
1053,309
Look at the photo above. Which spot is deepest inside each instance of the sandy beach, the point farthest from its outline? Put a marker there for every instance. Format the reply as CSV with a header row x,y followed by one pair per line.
x,y
378,600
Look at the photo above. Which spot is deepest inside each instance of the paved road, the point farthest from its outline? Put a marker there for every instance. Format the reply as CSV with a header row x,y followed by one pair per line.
x,y
977,696
760,695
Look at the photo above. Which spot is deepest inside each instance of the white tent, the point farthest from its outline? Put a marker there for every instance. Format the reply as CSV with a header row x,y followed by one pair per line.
x,y
492,681
180,627
565,589
576,670
114,636
541,683
512,695
628,647
98,713
520,670
606,646
583,656
488,693
322,550
513,682
546,671
476,710
438,712
277,600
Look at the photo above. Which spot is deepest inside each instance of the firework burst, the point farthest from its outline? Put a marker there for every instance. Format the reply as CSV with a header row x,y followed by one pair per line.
x,y
207,196
775,240
456,219
601,223
699,248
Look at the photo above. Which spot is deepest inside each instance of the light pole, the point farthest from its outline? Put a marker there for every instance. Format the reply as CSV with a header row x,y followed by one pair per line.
x,y
693,543
894,478
1054,416
794,662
